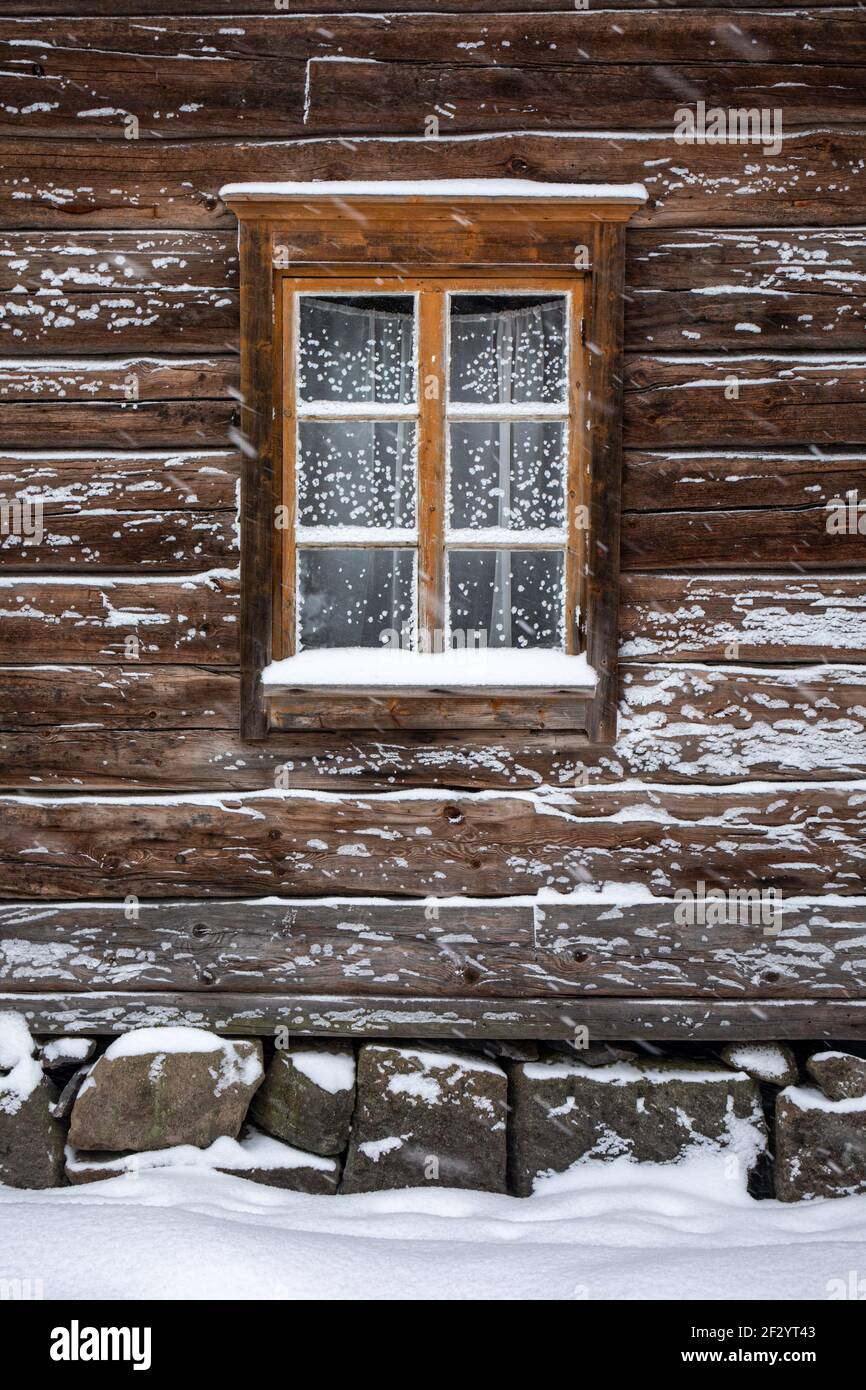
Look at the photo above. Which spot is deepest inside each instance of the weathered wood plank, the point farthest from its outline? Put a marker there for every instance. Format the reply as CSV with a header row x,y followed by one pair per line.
x,y
376,97
727,618
797,838
816,951
724,1020
817,179
202,481
249,947
476,950
93,262
132,321
115,403
700,480
717,289
117,620
169,728
745,400
79,8
136,542
744,539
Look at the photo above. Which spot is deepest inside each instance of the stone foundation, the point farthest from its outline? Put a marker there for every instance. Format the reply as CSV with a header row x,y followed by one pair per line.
x,y
329,1117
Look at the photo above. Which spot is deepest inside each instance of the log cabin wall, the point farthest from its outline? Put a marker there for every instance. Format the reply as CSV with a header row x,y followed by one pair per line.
x,y
140,836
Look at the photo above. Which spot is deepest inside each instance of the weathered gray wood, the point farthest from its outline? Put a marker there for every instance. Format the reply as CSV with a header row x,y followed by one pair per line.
x,y
744,539
816,951
704,480
798,838
474,950
95,262
174,620
777,289
745,400
127,321
729,618
727,1020
818,178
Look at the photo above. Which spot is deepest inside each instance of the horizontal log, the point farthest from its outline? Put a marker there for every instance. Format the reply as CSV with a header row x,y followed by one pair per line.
x,y
170,728
79,8
778,289
203,481
745,400
701,481
744,539
116,403
95,262
797,838
132,697
131,321
377,97
120,512
119,542
353,950
117,620
724,1020
812,951
731,618
817,179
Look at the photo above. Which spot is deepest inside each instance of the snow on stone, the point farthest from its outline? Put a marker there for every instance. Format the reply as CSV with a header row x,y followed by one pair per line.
x,y
157,1042
808,1098
330,1071
23,1071
761,1058
621,1073
254,1150
76,1049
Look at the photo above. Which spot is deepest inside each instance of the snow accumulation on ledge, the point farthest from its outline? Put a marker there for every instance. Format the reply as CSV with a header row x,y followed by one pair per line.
x,y
502,668
439,188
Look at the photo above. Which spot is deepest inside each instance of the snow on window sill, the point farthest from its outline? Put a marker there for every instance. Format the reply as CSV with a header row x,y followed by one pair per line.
x,y
390,668
440,188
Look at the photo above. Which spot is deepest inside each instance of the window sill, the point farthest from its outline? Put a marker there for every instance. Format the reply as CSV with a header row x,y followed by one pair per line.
x,y
488,670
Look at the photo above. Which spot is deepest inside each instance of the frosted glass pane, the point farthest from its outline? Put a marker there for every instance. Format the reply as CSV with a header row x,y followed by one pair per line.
x,y
514,597
507,349
356,473
350,598
356,349
507,474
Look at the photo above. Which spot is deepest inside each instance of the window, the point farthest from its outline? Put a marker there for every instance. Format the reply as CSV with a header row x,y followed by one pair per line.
x,y
431,490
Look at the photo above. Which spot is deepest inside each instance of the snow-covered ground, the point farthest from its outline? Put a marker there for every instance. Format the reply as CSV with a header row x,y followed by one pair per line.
x,y
607,1231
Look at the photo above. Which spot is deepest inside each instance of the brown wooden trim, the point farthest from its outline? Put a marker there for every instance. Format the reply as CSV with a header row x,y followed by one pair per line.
x,y
430,504
257,485
604,344
255,1015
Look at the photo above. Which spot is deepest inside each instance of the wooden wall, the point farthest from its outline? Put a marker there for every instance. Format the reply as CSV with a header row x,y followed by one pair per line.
x,y
742,751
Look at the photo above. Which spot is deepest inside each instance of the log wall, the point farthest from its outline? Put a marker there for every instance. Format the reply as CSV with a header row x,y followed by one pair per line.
x,y
413,872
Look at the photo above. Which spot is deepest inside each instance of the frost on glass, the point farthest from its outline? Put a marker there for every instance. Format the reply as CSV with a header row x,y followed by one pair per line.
x,y
507,349
350,598
356,473
356,349
507,474
513,596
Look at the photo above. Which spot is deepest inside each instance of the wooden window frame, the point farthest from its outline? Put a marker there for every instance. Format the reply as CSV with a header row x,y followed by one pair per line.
x,y
290,237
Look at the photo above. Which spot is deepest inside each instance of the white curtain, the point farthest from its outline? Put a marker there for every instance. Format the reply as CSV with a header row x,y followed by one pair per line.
x,y
512,357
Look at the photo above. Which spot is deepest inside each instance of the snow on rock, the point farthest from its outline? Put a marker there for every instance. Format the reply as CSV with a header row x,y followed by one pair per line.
x,y
155,1088
564,1113
256,1157
23,1072
427,1117
308,1097
67,1052
772,1063
820,1145
840,1075
31,1139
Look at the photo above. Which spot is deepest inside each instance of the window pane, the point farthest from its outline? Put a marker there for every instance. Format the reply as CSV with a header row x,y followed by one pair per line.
x,y
514,597
507,349
352,598
356,349
505,474
356,473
